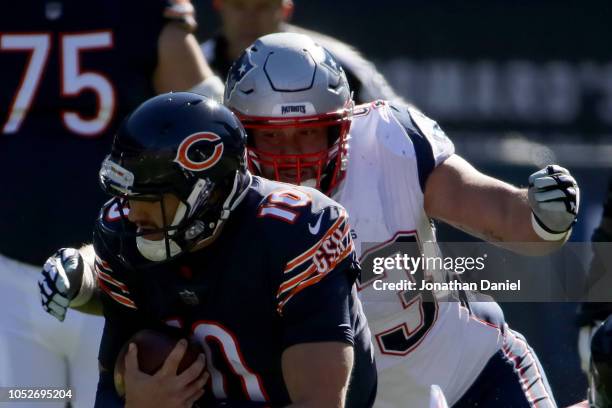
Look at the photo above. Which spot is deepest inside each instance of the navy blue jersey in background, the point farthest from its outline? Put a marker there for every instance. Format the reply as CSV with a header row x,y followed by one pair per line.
x,y
71,70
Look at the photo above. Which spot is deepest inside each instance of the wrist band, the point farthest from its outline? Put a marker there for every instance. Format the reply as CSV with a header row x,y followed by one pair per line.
x,y
88,281
547,235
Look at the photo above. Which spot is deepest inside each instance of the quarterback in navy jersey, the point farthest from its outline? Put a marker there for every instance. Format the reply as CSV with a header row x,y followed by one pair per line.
x,y
260,273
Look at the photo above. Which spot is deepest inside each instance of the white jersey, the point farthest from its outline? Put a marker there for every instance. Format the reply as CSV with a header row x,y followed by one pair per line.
x,y
391,153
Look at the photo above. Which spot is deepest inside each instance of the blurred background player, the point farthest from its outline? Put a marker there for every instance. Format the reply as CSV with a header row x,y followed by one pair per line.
x,y
243,21
393,169
71,71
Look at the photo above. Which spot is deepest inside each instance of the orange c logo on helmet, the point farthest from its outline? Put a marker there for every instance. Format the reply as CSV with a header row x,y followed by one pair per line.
x,y
183,159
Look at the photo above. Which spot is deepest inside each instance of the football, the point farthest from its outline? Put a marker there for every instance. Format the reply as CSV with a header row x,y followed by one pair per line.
x,y
153,348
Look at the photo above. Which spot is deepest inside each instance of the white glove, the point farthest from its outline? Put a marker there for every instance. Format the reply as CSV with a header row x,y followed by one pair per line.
x,y
554,198
60,281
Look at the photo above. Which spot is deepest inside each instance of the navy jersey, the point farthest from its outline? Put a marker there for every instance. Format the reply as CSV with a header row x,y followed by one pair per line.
x,y
71,70
281,273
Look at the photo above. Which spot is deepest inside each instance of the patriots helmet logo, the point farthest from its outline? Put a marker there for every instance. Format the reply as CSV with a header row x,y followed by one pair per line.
x,y
238,71
331,63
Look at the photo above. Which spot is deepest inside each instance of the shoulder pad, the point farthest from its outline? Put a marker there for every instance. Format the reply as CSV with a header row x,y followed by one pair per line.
x,y
320,236
289,203
431,145
365,108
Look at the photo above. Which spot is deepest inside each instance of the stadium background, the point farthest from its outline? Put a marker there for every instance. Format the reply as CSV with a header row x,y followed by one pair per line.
x,y
517,85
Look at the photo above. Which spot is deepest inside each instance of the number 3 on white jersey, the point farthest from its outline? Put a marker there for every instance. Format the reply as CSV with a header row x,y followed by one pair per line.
x,y
73,81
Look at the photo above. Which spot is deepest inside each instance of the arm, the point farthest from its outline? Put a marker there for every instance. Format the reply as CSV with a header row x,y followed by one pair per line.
x,y
323,329
92,305
491,209
324,367
181,65
488,208
123,319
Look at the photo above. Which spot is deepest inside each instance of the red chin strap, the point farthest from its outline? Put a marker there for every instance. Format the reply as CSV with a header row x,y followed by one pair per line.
x,y
326,167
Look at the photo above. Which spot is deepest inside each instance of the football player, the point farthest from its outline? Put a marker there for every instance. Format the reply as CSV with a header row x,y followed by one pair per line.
x,y
70,69
393,169
193,241
243,21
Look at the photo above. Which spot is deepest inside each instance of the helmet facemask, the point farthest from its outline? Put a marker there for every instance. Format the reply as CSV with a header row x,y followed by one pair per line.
x,y
287,81
197,220
322,170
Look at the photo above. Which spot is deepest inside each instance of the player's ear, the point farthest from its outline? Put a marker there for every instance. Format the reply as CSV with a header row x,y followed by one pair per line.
x,y
287,9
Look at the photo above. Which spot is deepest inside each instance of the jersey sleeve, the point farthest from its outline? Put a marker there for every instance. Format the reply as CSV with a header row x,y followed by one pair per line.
x,y
120,310
313,295
430,144
313,263
111,274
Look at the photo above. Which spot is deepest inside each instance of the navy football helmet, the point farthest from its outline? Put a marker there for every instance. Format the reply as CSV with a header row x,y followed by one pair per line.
x,y
186,145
